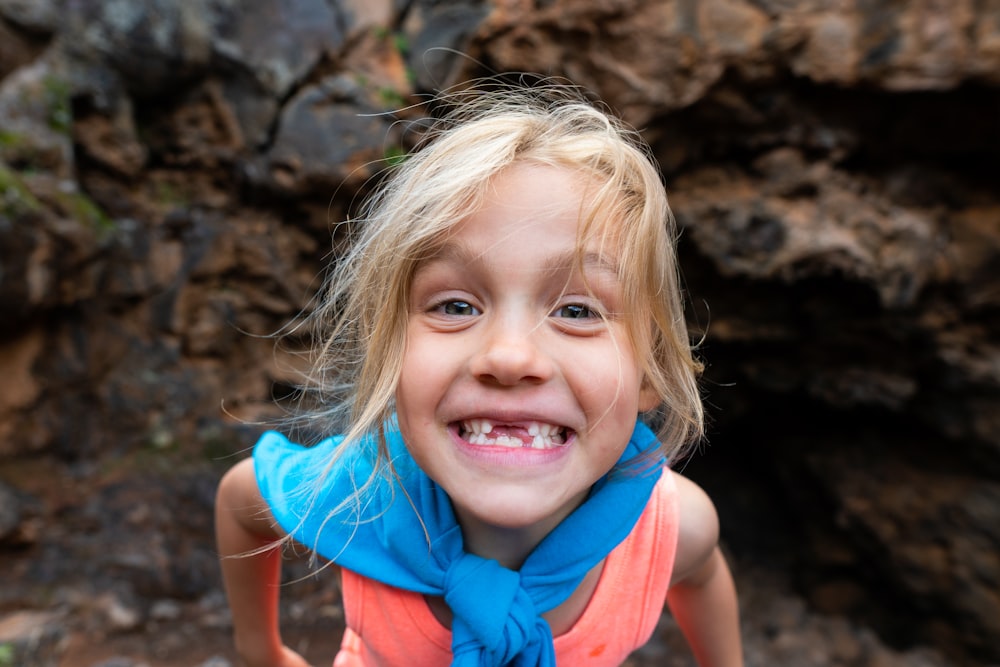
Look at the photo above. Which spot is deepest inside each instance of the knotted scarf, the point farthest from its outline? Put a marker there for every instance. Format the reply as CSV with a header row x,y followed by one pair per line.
x,y
496,610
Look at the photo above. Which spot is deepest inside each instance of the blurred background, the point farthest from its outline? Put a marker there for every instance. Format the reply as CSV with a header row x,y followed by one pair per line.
x,y
169,176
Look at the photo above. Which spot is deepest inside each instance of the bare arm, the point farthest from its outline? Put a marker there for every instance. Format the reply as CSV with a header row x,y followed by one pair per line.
x,y
702,596
251,572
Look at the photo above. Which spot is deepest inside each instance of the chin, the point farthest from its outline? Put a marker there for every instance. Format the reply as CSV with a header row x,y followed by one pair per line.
x,y
522,514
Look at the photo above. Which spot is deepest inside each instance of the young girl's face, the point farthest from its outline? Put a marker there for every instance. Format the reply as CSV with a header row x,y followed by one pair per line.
x,y
519,386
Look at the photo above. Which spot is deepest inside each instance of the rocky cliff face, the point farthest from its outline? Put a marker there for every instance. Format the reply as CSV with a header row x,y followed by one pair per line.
x,y
168,176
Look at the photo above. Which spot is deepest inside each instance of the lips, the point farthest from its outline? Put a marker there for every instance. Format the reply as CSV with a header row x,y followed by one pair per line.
x,y
531,434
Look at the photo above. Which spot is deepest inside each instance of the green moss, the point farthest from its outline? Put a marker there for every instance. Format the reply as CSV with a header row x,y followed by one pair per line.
x,y
401,42
57,101
10,139
394,155
17,200
392,98
83,209
15,197
6,655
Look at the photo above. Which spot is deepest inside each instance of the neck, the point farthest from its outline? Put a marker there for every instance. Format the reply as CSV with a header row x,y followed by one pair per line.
x,y
508,545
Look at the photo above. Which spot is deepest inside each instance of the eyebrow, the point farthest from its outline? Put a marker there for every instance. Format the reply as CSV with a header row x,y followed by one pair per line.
x,y
462,254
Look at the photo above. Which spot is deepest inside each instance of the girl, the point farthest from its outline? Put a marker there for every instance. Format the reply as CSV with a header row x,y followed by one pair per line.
x,y
510,308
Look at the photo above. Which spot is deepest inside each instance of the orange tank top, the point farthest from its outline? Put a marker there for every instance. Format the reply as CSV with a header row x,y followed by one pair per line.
x,y
390,627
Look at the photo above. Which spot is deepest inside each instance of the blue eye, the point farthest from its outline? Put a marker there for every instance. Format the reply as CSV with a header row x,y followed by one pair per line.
x,y
575,311
458,308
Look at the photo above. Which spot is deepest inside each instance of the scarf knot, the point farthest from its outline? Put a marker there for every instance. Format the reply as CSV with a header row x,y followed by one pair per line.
x,y
506,630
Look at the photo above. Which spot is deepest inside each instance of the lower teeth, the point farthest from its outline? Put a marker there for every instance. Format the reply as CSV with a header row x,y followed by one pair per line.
x,y
503,441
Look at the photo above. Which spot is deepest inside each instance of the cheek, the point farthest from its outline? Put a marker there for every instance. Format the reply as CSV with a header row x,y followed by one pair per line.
x,y
413,361
614,389
632,382
406,385
420,384
407,389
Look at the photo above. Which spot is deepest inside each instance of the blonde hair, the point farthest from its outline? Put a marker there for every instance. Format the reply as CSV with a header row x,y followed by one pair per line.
x,y
363,318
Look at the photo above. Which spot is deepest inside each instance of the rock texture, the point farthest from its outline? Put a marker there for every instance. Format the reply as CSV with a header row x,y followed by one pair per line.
x,y
169,173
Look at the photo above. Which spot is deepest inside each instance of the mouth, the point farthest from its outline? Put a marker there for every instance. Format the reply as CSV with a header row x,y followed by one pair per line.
x,y
532,434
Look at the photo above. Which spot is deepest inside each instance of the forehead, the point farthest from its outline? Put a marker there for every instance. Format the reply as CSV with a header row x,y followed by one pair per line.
x,y
540,217
548,202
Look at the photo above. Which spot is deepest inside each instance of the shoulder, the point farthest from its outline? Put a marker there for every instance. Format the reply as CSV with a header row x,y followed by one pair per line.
x,y
698,528
238,497
238,487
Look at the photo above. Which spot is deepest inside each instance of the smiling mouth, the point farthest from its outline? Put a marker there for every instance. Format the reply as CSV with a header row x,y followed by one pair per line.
x,y
534,435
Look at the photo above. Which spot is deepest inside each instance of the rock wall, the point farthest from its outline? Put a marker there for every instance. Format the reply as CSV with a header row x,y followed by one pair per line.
x,y
169,173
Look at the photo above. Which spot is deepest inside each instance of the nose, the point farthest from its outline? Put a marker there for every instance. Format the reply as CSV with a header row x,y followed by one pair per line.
x,y
511,354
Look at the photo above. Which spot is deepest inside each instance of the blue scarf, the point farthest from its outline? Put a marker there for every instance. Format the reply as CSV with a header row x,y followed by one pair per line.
x,y
496,610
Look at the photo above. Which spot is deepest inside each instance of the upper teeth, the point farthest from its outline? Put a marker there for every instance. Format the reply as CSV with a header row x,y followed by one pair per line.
x,y
476,432
478,426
